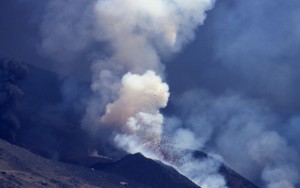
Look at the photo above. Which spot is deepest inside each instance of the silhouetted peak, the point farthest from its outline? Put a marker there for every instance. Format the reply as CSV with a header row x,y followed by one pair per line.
x,y
146,171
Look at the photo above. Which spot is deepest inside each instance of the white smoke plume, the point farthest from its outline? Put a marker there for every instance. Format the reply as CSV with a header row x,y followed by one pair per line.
x,y
140,33
128,85
129,90
139,93
137,111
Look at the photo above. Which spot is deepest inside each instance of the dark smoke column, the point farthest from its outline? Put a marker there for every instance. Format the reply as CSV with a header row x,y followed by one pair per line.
x,y
10,72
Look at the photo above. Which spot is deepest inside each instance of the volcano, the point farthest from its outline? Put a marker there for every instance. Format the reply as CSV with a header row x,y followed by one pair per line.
x,y
156,174
63,142
21,168
141,169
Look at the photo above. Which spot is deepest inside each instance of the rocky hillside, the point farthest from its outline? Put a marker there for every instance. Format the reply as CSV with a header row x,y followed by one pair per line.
x,y
150,172
20,168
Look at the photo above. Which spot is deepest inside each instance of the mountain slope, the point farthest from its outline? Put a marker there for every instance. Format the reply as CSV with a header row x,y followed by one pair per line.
x,y
20,168
158,175
147,171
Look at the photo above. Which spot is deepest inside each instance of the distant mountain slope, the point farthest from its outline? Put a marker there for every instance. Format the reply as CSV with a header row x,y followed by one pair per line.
x,y
21,169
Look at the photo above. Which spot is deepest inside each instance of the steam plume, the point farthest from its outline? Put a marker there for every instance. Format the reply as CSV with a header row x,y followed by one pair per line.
x,y
139,34
128,83
137,111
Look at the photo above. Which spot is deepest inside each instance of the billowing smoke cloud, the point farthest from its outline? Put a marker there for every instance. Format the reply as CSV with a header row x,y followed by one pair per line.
x,y
140,34
137,110
128,83
139,93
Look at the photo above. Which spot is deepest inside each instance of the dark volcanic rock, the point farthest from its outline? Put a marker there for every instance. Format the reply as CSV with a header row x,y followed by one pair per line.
x,y
147,171
156,174
20,168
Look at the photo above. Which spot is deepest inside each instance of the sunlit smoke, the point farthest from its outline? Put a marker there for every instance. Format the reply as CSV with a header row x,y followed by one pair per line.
x,y
135,115
138,93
